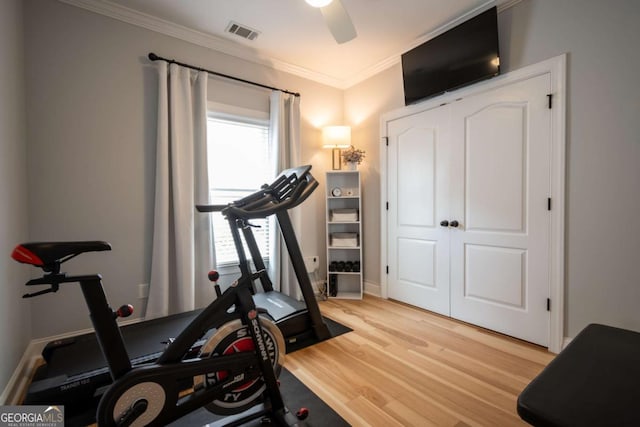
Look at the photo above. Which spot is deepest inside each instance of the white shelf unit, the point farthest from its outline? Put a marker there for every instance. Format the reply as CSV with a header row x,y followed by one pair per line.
x,y
344,235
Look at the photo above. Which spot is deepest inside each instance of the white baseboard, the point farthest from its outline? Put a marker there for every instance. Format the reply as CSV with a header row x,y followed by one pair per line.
x,y
372,289
19,381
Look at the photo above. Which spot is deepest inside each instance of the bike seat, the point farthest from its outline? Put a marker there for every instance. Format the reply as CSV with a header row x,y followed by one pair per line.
x,y
42,254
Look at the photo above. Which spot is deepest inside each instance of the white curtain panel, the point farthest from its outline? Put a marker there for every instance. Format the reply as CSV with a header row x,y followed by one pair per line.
x,y
284,134
182,237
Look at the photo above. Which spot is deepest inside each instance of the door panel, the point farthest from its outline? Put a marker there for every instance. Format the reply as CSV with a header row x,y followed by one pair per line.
x,y
416,149
418,175
416,262
495,168
482,283
499,255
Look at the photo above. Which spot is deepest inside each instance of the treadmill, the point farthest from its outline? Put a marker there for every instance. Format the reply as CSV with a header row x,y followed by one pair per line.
x,y
297,320
75,373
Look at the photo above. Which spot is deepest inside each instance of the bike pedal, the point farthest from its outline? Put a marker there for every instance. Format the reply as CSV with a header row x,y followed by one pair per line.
x,y
302,413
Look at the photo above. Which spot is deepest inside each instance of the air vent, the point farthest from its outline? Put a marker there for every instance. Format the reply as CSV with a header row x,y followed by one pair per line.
x,y
242,31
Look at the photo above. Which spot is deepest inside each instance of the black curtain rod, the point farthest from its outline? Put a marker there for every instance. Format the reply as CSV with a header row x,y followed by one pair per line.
x,y
154,57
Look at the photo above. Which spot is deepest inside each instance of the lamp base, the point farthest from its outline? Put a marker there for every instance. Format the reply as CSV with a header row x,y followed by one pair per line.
x,y
336,154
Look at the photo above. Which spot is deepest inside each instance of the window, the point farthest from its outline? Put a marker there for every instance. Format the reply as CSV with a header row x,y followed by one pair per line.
x,y
239,163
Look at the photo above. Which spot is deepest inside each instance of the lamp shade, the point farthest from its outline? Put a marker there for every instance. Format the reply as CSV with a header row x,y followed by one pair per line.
x,y
336,136
318,3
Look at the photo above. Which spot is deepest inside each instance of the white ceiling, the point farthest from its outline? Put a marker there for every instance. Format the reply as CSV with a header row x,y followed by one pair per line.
x,y
293,35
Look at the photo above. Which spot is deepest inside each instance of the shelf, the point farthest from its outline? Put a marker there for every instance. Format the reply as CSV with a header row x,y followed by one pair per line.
x,y
346,284
347,273
348,295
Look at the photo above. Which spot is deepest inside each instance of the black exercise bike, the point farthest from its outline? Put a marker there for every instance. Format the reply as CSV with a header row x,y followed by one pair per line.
x,y
226,360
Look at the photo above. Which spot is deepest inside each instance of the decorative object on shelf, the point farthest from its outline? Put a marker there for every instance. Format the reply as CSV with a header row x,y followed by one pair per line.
x,y
344,240
336,192
336,138
352,157
343,215
345,266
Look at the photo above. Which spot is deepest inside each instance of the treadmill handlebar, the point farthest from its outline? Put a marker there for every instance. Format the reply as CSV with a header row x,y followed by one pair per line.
x,y
210,208
271,205
290,188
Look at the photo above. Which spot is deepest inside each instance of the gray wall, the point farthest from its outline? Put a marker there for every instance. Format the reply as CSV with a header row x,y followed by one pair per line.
x,y
363,105
603,145
91,104
14,311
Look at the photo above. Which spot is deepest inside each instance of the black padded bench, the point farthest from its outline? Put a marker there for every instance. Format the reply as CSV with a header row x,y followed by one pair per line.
x,y
594,381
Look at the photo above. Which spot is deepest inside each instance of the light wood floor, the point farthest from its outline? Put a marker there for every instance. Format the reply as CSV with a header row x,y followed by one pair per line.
x,y
406,366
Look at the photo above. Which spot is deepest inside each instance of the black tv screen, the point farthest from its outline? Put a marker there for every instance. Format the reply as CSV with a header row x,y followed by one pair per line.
x,y
458,57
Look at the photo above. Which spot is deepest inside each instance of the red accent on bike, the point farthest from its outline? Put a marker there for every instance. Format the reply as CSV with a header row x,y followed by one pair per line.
x,y
24,255
238,346
302,414
125,311
252,314
213,275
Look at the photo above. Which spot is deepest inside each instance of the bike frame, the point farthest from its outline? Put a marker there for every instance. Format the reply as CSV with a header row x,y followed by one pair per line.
x,y
170,369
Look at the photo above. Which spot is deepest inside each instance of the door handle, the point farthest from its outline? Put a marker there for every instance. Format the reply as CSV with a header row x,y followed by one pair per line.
x,y
454,224
444,223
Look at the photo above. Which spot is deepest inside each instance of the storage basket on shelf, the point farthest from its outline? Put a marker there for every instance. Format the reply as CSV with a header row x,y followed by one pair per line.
x,y
344,215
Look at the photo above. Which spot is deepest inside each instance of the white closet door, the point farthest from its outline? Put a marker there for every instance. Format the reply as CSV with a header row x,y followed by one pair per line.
x,y
418,247
500,251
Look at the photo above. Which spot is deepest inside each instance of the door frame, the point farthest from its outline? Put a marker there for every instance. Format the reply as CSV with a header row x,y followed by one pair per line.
x,y
556,68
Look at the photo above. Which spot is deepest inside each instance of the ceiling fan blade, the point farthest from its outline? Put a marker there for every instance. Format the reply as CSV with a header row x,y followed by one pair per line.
x,y
338,21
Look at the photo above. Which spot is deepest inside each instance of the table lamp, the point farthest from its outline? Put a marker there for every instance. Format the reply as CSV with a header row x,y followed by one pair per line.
x,y
336,138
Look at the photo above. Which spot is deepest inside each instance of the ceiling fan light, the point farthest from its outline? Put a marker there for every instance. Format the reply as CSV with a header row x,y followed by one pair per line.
x,y
318,3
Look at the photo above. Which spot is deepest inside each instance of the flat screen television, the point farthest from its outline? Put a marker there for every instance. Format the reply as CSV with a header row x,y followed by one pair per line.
x,y
458,57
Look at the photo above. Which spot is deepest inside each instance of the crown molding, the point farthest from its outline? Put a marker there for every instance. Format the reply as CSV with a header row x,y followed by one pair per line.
x,y
449,25
370,72
199,38
134,17
209,41
506,5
